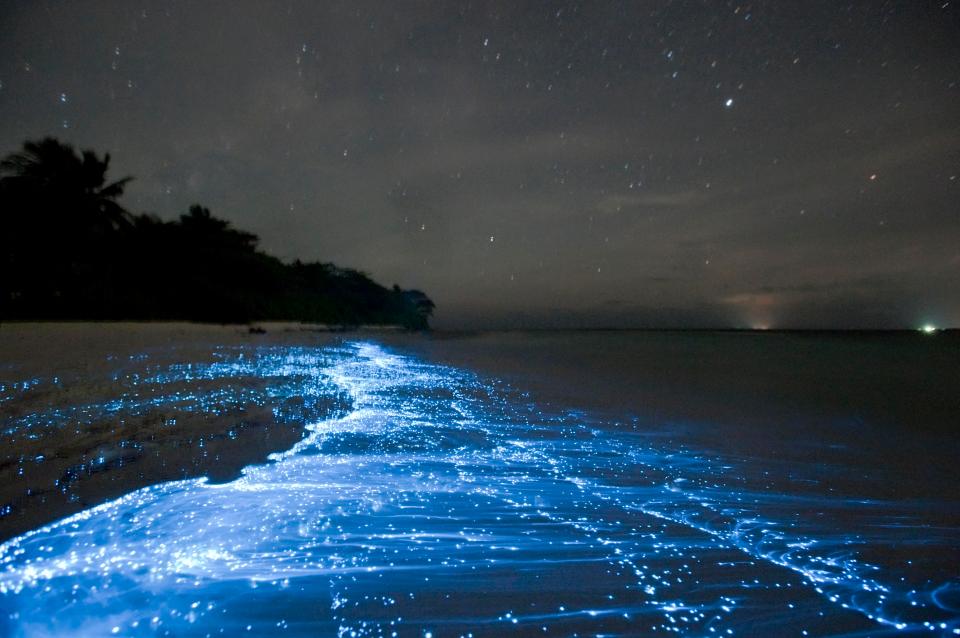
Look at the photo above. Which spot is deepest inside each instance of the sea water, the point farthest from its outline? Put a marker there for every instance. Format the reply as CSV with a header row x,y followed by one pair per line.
x,y
444,502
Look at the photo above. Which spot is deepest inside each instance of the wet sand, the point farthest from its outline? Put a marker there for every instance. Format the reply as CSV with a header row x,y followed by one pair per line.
x,y
564,482
92,411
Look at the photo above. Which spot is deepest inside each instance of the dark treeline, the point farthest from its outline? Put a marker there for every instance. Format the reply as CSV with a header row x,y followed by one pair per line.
x,y
71,251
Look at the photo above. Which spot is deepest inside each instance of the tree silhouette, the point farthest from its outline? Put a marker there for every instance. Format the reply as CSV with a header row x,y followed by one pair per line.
x,y
49,170
59,215
69,250
202,226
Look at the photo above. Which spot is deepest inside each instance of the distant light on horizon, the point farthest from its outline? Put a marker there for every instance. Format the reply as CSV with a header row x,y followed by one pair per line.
x,y
561,185
928,328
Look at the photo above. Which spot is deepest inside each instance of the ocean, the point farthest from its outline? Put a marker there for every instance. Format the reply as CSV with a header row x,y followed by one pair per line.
x,y
185,480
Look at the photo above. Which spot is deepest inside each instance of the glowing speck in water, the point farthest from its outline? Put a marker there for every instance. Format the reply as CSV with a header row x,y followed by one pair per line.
x,y
427,498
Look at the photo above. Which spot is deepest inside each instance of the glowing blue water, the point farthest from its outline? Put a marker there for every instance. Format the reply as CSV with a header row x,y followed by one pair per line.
x,y
443,505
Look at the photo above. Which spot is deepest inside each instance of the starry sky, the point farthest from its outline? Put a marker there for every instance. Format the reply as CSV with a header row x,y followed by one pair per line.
x,y
537,164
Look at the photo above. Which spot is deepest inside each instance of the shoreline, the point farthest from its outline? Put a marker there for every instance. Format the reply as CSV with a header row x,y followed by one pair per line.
x,y
90,414
453,332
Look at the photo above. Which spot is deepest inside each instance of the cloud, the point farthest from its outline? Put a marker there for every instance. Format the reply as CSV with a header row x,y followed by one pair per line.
x,y
394,140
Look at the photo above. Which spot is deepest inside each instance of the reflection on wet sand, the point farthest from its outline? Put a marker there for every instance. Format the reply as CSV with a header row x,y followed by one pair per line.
x,y
440,505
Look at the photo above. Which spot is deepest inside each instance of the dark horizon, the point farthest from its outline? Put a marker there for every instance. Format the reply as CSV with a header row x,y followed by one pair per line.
x,y
926,329
655,166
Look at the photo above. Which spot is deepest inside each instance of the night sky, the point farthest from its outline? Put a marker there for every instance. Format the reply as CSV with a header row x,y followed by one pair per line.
x,y
689,164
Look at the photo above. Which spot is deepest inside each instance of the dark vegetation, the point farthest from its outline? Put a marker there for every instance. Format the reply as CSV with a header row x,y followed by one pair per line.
x,y
69,250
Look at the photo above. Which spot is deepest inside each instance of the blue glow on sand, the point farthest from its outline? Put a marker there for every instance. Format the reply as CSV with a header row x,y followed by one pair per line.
x,y
445,505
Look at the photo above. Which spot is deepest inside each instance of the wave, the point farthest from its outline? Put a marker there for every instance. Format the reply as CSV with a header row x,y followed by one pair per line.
x,y
444,504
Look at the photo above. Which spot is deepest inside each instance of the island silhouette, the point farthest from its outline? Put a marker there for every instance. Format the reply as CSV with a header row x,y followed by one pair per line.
x,y
71,251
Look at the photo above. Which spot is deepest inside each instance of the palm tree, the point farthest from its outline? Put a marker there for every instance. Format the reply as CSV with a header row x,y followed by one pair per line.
x,y
51,175
60,230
